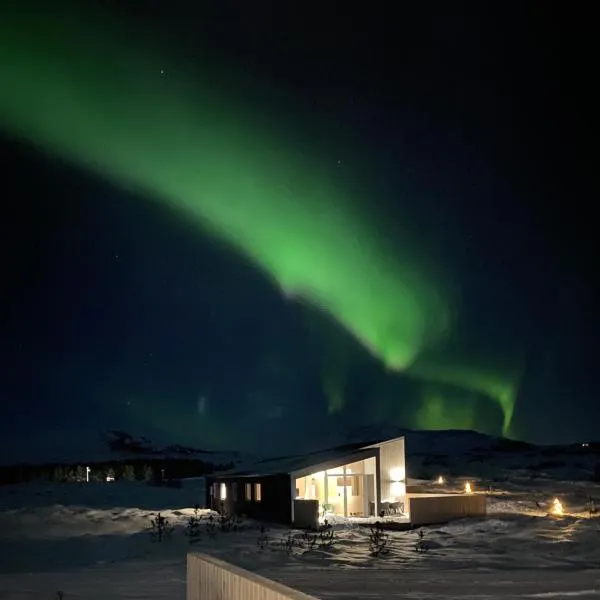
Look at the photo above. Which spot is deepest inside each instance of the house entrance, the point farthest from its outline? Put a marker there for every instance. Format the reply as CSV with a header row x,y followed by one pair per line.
x,y
348,490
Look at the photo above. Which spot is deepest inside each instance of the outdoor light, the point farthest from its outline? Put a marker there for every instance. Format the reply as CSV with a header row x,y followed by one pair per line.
x,y
87,474
440,480
468,489
397,475
557,508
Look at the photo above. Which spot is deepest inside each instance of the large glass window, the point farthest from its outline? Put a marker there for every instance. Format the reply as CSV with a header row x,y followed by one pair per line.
x,y
347,490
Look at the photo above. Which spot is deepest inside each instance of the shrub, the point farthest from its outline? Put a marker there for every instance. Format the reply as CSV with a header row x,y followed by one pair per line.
x,y
192,529
263,538
421,545
378,540
161,528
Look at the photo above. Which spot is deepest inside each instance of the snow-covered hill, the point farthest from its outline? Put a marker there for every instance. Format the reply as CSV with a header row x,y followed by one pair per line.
x,y
472,454
81,446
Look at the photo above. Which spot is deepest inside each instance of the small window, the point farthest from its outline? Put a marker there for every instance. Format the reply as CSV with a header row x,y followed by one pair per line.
x,y
234,491
223,494
257,492
248,492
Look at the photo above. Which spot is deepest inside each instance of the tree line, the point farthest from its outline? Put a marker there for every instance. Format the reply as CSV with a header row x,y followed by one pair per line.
x,y
155,471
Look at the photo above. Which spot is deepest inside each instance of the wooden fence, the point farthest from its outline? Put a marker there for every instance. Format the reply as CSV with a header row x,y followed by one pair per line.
x,y
209,578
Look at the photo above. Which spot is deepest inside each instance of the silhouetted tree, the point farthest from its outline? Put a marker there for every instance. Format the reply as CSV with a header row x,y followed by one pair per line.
x,y
148,473
129,473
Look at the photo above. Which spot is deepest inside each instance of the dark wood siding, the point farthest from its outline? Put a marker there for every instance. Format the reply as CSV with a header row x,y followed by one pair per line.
x,y
275,504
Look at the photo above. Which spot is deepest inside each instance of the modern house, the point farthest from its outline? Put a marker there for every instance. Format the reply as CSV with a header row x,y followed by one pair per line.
x,y
354,480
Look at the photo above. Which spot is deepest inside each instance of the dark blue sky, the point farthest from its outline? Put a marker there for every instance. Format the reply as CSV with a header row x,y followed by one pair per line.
x,y
117,314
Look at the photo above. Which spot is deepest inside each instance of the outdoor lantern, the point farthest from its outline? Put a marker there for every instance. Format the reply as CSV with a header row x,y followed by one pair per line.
x,y
557,508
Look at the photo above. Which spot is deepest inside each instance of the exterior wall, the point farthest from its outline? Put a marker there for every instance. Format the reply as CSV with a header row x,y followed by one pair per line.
x,y
306,514
209,578
275,502
427,509
392,471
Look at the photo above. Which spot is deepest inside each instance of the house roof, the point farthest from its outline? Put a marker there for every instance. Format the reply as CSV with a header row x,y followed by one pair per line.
x,y
315,461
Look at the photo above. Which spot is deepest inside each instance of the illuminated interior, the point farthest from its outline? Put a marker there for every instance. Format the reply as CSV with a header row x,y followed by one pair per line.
x,y
348,490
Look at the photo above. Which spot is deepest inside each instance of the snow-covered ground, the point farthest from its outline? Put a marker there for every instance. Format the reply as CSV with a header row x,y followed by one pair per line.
x,y
93,541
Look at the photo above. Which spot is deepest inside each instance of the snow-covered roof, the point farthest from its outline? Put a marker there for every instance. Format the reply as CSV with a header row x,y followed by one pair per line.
x,y
315,461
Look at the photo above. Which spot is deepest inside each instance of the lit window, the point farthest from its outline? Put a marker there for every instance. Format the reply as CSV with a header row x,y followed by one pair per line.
x,y
248,492
257,492
223,494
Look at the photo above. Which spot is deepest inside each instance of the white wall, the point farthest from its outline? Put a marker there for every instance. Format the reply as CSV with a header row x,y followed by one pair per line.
x,y
392,465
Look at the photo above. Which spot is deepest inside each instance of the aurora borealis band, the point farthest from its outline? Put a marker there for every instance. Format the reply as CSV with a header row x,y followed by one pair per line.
x,y
113,104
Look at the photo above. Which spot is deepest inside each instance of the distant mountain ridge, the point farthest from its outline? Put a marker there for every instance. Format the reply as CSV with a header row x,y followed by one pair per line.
x,y
453,453
81,446
121,441
464,453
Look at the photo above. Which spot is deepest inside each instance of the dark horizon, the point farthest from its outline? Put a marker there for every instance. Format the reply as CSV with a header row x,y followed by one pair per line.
x,y
459,137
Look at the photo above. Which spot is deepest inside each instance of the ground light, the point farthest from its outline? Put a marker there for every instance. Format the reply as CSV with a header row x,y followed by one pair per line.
x,y
557,508
440,480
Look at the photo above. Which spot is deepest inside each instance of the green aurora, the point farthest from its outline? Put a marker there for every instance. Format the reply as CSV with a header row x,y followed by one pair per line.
x,y
97,96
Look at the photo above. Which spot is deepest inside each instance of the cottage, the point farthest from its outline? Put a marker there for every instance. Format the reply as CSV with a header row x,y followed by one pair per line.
x,y
354,480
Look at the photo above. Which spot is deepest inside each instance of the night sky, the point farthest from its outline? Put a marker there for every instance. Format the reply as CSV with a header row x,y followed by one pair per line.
x,y
263,225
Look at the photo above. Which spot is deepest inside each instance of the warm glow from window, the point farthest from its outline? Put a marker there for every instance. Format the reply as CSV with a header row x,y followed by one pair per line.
x,y
223,494
468,489
248,492
257,492
398,474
